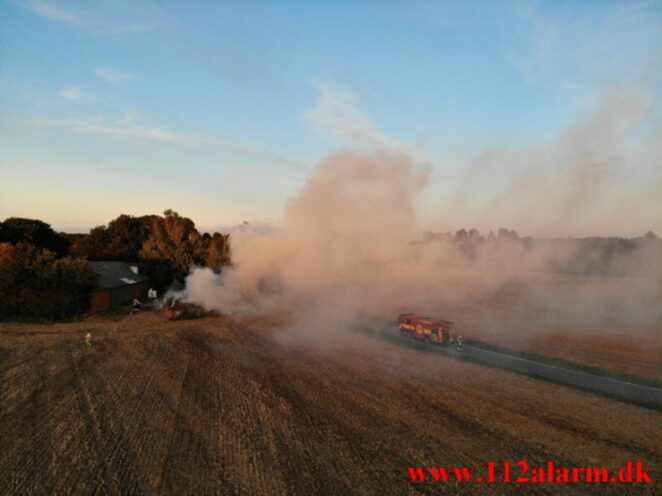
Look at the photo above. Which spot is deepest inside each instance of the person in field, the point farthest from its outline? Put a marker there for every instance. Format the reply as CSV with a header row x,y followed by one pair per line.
x,y
88,339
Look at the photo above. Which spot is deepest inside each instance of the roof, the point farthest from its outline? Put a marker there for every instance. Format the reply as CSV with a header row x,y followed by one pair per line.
x,y
115,274
428,320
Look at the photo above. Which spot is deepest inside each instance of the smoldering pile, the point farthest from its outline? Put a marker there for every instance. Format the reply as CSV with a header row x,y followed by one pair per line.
x,y
177,309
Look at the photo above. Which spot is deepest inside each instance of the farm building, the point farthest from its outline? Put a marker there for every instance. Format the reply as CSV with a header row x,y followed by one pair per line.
x,y
119,283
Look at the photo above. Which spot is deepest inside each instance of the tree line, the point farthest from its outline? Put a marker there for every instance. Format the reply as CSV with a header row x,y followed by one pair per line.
x,y
46,275
581,256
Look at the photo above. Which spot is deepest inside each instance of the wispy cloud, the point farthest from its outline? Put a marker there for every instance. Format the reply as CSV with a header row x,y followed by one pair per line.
x,y
99,125
129,28
337,114
101,103
128,129
111,19
50,12
617,45
72,93
113,76
157,134
64,123
254,152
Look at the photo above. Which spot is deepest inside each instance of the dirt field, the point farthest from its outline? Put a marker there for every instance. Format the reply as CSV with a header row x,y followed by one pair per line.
x,y
221,406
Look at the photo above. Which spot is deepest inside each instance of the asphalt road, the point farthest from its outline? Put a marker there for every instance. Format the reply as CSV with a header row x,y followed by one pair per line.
x,y
615,388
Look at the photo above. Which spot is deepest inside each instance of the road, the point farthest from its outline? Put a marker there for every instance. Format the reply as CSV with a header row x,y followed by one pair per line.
x,y
618,389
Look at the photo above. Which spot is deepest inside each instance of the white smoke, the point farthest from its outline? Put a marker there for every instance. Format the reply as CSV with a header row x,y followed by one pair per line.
x,y
350,244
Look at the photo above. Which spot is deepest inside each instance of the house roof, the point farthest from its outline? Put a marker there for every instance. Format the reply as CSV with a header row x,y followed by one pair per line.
x,y
115,274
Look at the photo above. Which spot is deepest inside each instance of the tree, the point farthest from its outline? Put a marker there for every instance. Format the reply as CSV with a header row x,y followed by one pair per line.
x,y
127,235
121,240
507,234
17,229
94,246
651,237
160,271
8,234
166,247
173,247
461,235
468,242
218,251
36,284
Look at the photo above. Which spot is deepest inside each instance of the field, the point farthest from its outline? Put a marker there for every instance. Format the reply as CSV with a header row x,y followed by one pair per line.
x,y
605,352
607,322
235,406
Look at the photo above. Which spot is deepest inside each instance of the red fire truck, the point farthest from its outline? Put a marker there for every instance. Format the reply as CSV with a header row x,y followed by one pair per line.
x,y
426,328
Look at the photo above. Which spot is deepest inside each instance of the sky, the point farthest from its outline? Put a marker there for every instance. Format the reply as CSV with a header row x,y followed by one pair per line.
x,y
221,110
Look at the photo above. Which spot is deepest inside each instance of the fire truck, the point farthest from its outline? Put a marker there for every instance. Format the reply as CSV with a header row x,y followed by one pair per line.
x,y
426,328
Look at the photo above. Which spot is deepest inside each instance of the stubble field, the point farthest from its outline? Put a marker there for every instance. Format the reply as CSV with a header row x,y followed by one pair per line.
x,y
223,406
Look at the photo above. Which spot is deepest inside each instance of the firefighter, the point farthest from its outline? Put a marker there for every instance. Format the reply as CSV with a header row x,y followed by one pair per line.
x,y
459,343
88,339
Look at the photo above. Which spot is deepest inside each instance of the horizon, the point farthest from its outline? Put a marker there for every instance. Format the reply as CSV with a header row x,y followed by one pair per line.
x,y
542,117
229,228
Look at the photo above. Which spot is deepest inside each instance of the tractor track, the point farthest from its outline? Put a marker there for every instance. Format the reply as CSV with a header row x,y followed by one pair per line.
x,y
221,406
174,429
94,434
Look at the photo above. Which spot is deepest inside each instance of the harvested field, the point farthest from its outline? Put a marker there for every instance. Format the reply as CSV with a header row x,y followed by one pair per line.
x,y
538,318
222,406
594,351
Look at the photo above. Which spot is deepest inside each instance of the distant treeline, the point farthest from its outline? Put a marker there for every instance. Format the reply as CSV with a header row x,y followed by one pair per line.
x,y
582,256
46,275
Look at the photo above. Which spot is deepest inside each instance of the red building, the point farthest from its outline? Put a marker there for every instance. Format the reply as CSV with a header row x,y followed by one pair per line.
x,y
119,283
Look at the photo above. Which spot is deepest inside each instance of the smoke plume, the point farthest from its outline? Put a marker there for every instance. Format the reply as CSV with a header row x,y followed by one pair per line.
x,y
602,176
350,246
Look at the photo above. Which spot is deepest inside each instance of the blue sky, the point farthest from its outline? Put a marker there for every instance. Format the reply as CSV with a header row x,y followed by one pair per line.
x,y
220,110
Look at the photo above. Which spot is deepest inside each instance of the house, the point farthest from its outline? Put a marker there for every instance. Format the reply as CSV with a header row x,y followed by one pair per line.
x,y
119,283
